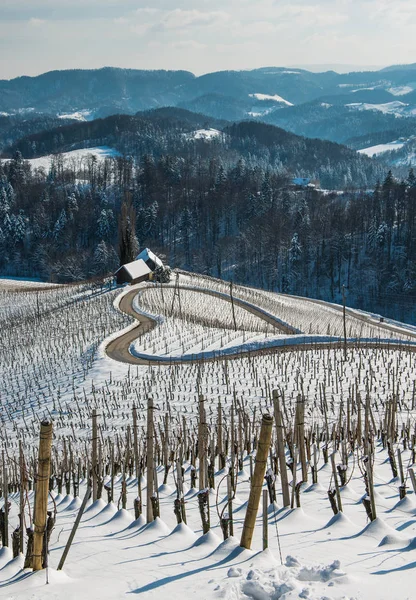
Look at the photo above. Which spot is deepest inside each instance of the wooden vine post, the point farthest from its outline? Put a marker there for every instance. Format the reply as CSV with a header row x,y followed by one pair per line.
x,y
75,527
281,449
257,481
300,436
232,305
42,491
21,496
149,461
370,481
94,456
334,475
344,320
6,504
265,520
202,436
137,463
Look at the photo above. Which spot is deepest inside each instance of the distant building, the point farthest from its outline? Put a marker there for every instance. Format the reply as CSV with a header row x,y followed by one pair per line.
x,y
133,272
302,181
141,269
305,182
151,260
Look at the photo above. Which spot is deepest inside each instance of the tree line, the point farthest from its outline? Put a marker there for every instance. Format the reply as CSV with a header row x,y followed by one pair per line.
x,y
243,221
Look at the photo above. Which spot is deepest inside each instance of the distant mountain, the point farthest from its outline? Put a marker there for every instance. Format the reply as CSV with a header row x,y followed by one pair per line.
x,y
399,68
172,131
14,127
118,90
131,134
130,90
326,105
171,115
339,123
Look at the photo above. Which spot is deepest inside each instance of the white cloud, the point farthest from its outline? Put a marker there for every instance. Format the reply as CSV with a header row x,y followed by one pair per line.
x,y
202,35
180,19
36,22
188,45
401,13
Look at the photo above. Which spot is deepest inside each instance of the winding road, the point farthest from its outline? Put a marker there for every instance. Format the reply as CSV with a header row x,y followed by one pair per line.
x,y
119,348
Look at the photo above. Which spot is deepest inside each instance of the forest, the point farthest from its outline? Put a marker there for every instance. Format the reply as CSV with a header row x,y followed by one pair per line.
x,y
223,208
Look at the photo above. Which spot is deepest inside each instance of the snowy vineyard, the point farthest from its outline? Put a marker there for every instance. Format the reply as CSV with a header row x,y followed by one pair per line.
x,y
170,449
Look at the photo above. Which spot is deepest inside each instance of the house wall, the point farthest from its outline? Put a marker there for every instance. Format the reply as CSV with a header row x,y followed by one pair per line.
x,y
122,277
140,279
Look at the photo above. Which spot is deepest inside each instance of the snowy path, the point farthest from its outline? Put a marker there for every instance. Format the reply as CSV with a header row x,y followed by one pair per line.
x,y
121,350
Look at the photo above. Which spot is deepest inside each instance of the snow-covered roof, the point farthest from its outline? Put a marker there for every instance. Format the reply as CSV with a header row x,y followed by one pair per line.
x,y
137,268
147,254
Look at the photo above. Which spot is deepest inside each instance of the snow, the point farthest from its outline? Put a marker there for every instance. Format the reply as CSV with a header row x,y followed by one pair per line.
x,y
361,89
274,98
147,255
322,556
79,115
204,134
395,108
400,90
23,283
76,158
137,268
380,148
59,366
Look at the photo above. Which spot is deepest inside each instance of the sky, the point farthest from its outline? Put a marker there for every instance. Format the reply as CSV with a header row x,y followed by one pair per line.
x,y
203,35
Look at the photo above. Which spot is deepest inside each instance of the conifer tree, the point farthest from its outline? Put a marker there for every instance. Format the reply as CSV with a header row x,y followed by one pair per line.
x,y
128,245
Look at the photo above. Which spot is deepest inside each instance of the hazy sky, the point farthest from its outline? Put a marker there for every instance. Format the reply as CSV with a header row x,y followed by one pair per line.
x,y
202,35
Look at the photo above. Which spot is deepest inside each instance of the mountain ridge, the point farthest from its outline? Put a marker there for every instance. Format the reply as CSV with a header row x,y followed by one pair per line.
x,y
347,105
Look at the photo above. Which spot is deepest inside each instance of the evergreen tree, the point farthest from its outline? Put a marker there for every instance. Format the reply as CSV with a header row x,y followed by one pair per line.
x,y
128,245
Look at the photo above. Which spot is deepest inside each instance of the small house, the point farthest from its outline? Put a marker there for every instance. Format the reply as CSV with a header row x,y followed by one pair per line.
x,y
301,181
151,260
133,272
305,182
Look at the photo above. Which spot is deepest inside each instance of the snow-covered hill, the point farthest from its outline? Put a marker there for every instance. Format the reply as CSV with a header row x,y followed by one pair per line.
x,y
53,364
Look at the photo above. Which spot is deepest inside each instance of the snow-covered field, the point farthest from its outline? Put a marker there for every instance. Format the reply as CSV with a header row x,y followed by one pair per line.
x,y
79,115
396,107
22,283
272,98
74,158
204,134
311,553
53,363
380,148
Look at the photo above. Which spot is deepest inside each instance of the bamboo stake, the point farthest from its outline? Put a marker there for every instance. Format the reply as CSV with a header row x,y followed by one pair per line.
x,y
136,454
75,527
22,497
371,488
281,449
265,523
6,502
257,482
412,478
202,443
300,431
94,455
149,461
221,458
42,490
230,504
334,475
